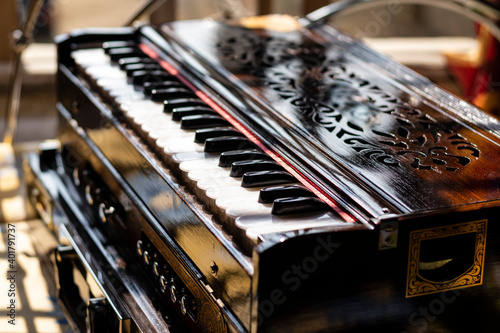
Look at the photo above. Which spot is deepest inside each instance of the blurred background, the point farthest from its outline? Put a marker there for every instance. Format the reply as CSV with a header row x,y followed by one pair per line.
x,y
450,49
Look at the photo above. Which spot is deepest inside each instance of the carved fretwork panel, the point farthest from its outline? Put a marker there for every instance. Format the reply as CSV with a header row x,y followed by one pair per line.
x,y
354,123
333,94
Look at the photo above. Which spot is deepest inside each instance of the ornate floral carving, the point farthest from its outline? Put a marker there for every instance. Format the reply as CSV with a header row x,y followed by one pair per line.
x,y
336,95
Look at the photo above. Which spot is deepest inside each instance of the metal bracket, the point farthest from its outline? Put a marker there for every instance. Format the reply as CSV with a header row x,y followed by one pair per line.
x,y
388,236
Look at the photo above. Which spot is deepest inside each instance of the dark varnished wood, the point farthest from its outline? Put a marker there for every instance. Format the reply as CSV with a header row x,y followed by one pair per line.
x,y
181,220
385,150
349,124
355,288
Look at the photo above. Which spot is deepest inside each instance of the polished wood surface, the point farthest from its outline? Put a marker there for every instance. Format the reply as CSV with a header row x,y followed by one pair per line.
x,y
355,126
322,102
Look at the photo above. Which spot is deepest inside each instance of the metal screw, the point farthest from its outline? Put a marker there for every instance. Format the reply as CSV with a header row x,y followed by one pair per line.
x,y
214,268
389,240
75,107
35,193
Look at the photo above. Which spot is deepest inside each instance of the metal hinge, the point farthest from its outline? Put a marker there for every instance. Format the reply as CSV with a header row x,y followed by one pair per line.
x,y
212,295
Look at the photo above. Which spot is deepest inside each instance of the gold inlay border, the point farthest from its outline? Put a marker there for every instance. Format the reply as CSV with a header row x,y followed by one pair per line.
x,y
418,286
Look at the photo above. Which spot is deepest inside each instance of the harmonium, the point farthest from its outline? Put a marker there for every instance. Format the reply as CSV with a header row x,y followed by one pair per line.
x,y
228,177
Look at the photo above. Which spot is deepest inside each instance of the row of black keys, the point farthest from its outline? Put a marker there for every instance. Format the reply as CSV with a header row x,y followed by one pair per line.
x,y
237,152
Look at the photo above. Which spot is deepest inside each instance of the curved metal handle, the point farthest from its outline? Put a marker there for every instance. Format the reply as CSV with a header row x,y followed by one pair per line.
x,y
475,10
149,7
21,39
85,299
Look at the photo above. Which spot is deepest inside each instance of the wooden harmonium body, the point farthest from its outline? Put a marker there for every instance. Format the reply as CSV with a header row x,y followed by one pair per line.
x,y
250,180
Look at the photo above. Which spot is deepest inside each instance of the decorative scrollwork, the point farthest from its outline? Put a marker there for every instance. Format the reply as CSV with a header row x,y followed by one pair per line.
x,y
473,276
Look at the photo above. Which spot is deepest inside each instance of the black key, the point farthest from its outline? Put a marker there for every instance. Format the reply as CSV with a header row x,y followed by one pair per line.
x,y
115,44
202,121
134,60
227,158
241,167
162,84
297,205
138,78
170,104
226,143
269,194
129,69
124,52
266,178
180,112
159,95
150,86
202,135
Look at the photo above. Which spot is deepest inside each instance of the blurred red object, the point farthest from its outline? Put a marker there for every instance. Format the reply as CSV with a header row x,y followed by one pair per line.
x,y
478,71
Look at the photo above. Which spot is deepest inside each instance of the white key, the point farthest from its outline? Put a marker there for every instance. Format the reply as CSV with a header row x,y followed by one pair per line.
x,y
158,130
256,225
229,192
126,92
205,184
191,156
153,120
245,208
206,164
128,98
97,72
110,84
137,112
133,106
201,174
144,117
172,146
90,57
248,197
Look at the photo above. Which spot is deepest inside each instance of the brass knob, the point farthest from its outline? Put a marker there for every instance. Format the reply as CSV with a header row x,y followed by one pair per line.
x,y
76,177
184,304
156,269
105,212
163,284
146,257
139,247
173,293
